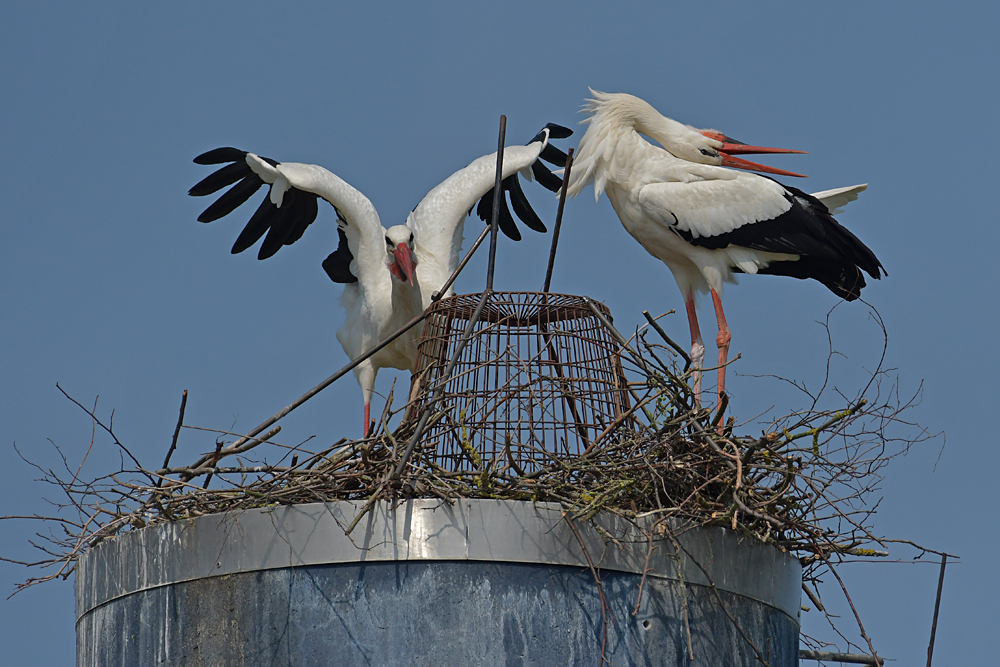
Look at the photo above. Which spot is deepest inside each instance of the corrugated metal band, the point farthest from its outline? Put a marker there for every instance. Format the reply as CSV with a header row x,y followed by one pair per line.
x,y
467,530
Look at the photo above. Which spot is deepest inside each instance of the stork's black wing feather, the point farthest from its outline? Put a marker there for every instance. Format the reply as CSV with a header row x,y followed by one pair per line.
x,y
233,198
546,178
511,185
220,155
296,207
283,226
259,223
553,155
506,221
221,178
558,131
828,251
522,208
338,264
307,214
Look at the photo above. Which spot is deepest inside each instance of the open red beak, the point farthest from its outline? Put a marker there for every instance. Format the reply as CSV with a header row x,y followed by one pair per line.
x,y
404,260
732,147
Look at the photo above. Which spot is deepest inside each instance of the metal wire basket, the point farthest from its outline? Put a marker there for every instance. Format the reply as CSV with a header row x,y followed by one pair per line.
x,y
539,379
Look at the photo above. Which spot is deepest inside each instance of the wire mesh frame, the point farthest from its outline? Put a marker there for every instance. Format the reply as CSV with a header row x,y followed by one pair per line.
x,y
540,378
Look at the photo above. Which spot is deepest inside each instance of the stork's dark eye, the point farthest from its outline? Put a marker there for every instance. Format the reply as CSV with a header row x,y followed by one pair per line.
x,y
388,242
708,153
411,238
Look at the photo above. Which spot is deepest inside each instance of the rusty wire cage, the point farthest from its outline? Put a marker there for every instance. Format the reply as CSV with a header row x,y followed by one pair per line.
x,y
541,377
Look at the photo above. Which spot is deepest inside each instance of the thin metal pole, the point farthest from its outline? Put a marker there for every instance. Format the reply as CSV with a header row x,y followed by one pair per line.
x,y
497,195
418,432
559,217
937,606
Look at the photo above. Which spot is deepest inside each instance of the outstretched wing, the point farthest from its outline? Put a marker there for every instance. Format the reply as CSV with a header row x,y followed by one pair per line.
x,y
291,207
438,220
283,226
511,186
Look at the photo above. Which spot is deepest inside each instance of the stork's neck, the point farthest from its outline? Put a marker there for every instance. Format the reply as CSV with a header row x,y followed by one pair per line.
x,y
616,123
406,297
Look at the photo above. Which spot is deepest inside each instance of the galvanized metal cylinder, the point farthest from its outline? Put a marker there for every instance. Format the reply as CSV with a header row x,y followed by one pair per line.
x,y
473,583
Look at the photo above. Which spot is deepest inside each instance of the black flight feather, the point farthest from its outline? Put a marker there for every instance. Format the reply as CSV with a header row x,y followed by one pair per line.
x,y
220,179
506,222
522,208
828,252
294,209
338,264
546,178
558,131
233,198
553,155
307,214
220,155
278,232
259,223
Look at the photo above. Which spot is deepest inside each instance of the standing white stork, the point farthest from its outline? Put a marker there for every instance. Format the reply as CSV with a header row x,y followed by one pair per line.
x,y
390,274
707,222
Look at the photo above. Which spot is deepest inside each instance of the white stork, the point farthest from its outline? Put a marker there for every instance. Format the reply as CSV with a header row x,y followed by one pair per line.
x,y
390,274
707,222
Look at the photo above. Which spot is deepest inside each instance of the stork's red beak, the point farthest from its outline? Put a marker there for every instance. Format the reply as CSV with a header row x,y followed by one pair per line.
x,y
404,260
732,147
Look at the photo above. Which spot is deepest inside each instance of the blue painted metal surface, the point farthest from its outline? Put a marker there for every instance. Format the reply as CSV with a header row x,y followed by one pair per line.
x,y
257,600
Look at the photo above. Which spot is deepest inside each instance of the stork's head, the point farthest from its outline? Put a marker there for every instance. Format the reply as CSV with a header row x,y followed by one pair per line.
x,y
682,141
399,256
716,148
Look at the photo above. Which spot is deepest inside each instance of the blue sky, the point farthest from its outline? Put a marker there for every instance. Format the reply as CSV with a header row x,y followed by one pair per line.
x,y
110,287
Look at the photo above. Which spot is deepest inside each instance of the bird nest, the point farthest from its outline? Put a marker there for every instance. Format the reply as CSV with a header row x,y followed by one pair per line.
x,y
547,402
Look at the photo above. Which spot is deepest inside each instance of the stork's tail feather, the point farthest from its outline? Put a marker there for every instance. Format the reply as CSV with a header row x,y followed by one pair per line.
x,y
843,279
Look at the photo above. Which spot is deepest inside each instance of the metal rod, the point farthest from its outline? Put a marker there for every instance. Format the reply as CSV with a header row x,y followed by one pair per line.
x,y
441,382
937,606
854,658
559,217
497,196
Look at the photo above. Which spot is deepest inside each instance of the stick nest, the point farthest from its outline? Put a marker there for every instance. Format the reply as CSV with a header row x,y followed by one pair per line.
x,y
802,484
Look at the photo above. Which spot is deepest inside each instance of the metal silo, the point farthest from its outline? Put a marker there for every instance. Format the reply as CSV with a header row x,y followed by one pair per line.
x,y
473,583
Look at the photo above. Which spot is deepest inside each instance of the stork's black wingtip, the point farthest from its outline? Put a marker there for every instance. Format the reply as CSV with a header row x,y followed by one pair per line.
x,y
220,155
558,131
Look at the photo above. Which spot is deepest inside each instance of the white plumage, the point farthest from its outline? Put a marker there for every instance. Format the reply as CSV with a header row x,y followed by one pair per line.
x,y
390,275
706,221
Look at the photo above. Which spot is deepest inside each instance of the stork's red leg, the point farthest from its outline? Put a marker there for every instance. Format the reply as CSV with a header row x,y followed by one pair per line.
x,y
368,418
722,340
697,346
